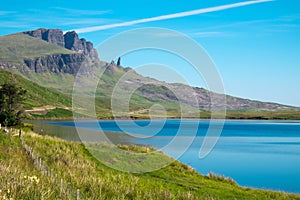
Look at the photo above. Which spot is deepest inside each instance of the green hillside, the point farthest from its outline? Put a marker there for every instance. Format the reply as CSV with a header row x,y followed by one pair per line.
x,y
71,169
15,48
36,95
56,88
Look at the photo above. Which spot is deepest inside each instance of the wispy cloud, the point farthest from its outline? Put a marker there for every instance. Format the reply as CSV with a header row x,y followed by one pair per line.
x,y
164,35
263,26
236,24
170,16
83,21
4,12
7,24
209,34
34,18
83,12
290,18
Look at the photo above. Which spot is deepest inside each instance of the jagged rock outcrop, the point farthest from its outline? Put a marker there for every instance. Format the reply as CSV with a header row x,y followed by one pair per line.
x,y
70,40
54,36
112,67
62,63
119,61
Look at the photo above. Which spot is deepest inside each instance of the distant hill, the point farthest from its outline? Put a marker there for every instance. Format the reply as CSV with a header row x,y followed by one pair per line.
x,y
51,59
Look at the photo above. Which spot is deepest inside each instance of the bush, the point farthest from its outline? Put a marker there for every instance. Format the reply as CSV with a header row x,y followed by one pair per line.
x,y
8,119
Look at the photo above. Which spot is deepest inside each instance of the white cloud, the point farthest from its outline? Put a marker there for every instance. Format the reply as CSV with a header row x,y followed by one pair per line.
x,y
4,12
83,12
78,22
170,16
263,26
290,18
165,35
208,34
7,24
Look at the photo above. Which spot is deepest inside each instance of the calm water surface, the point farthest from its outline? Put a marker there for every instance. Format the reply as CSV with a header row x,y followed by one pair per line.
x,y
259,154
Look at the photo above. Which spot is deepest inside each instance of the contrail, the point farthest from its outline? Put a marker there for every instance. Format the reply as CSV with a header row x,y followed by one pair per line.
x,y
170,16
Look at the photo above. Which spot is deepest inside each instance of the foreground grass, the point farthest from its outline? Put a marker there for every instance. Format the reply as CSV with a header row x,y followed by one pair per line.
x,y
74,164
19,178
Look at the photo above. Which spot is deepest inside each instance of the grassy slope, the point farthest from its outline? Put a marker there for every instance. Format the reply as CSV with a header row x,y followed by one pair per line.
x,y
36,95
15,167
15,48
139,105
75,165
137,102
40,96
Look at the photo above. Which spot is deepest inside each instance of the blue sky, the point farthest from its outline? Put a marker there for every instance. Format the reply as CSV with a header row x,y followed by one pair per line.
x,y
255,47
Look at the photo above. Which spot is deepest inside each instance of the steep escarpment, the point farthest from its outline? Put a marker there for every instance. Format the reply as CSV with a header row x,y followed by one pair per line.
x,y
54,36
70,41
82,52
46,50
59,63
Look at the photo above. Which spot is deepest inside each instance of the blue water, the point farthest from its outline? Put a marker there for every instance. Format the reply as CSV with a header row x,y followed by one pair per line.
x,y
259,154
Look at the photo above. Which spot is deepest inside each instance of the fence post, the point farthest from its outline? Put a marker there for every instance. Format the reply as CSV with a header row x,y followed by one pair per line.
x,y
100,190
40,163
77,194
45,170
69,191
61,186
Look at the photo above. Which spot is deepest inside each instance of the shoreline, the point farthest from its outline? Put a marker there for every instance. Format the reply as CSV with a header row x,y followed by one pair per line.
x,y
62,128
211,174
176,179
158,119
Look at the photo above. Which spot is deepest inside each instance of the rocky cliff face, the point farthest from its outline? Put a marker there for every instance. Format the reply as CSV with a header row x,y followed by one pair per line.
x,y
62,63
54,36
70,40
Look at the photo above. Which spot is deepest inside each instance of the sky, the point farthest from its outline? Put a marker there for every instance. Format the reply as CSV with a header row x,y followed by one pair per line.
x,y
255,45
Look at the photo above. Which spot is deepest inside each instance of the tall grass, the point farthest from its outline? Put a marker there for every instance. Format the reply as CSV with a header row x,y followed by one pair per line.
x,y
72,163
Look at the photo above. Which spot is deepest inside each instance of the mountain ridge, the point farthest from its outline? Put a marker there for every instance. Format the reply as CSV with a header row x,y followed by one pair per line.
x,y
58,68
69,40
